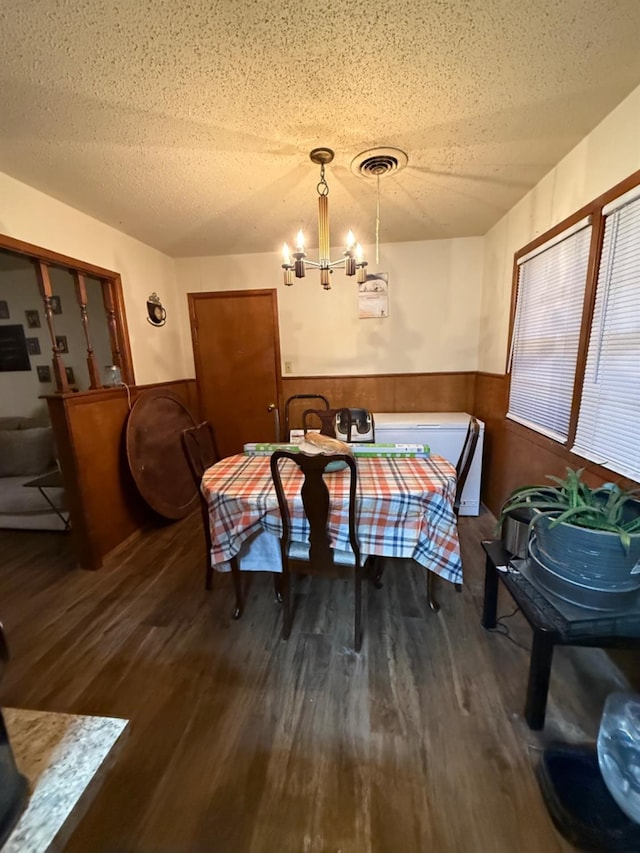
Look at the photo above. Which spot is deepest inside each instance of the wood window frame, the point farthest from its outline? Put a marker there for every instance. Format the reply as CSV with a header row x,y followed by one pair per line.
x,y
593,210
112,295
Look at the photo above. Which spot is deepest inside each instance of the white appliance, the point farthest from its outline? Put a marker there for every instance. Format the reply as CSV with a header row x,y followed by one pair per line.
x,y
445,433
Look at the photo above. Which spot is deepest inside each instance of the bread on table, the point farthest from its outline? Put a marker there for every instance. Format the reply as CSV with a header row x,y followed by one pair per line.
x,y
324,444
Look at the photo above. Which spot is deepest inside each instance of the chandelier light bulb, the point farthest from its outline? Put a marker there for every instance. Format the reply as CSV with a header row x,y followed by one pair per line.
x,y
300,241
286,255
350,239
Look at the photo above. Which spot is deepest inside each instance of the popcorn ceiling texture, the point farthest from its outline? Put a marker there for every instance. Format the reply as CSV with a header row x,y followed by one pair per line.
x,y
188,124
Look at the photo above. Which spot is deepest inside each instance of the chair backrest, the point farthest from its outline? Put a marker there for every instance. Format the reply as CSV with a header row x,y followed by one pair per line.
x,y
465,460
201,450
315,500
327,418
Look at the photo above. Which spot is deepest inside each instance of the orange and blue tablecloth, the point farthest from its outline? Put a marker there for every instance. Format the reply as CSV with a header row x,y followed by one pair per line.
x,y
404,508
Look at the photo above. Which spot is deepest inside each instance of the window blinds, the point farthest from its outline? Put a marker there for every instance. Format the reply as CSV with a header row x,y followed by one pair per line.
x,y
609,419
551,285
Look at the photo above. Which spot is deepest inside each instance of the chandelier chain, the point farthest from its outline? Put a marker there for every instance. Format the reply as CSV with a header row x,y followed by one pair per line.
x,y
323,186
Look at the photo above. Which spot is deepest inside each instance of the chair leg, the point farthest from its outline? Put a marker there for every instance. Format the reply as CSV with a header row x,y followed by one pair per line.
x,y
286,610
277,586
237,585
358,625
378,565
431,598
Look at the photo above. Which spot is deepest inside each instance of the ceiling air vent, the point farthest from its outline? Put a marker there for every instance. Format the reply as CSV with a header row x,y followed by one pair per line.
x,y
377,162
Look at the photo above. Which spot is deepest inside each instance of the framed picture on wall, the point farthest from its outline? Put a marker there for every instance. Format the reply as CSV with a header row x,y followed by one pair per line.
x,y
44,373
71,379
33,319
33,346
56,305
13,349
61,343
4,310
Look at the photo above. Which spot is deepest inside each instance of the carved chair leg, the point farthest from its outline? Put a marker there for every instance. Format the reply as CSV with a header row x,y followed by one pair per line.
x,y
277,586
431,598
286,610
378,571
237,585
358,625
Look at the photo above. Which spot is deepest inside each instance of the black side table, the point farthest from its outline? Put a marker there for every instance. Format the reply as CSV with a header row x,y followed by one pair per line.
x,y
550,627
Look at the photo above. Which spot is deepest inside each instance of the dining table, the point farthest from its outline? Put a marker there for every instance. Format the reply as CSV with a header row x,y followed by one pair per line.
x,y
404,509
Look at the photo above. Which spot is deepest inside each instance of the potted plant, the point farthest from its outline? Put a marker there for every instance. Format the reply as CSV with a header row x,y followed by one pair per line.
x,y
586,536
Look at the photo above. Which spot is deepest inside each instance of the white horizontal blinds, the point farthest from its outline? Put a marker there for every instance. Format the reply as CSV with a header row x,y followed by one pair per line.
x,y
609,419
546,335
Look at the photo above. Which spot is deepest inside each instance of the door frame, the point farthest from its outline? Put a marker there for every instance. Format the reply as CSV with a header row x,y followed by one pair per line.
x,y
267,292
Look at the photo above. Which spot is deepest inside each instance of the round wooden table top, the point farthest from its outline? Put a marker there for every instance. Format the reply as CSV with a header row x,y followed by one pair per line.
x,y
155,453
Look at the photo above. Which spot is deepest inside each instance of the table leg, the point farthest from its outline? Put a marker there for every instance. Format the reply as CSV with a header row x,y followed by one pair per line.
x,y
64,520
490,606
539,674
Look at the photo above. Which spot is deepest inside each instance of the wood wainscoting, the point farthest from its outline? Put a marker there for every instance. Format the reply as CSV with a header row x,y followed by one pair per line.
x,y
102,498
398,392
515,455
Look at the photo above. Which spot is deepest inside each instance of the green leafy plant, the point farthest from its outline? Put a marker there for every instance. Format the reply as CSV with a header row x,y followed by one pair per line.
x,y
571,500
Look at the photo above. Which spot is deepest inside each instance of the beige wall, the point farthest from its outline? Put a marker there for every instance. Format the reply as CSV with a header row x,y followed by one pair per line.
x,y
606,156
159,354
434,308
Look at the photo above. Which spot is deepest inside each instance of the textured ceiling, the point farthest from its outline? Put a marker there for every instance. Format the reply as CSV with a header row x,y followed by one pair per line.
x,y
188,123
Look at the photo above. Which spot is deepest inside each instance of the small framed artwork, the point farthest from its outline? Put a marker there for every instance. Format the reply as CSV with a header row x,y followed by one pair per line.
x,y
33,346
56,305
61,343
71,379
4,310
33,319
44,373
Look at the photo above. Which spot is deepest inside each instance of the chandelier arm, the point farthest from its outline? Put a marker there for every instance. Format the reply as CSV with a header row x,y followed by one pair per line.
x,y
329,265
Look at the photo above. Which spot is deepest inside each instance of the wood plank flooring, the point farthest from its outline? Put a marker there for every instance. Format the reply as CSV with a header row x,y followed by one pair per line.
x,y
242,743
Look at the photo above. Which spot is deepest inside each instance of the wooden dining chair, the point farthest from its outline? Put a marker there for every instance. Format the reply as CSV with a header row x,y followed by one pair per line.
x,y
327,418
462,471
317,556
201,450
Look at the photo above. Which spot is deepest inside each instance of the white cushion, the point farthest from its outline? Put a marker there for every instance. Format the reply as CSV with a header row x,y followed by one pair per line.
x,y
26,452
16,498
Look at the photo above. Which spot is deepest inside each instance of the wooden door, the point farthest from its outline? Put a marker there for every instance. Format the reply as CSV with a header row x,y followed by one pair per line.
x,y
236,348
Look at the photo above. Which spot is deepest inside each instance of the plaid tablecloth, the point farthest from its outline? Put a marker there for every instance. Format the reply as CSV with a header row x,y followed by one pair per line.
x,y
404,508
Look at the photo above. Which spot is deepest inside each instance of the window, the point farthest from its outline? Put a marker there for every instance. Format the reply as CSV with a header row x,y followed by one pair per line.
x,y
575,346
550,298
608,429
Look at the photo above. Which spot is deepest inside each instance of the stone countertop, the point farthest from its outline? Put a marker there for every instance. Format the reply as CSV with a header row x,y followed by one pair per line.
x,y
59,754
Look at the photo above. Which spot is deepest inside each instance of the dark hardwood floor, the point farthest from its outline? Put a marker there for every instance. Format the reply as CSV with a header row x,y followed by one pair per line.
x,y
239,741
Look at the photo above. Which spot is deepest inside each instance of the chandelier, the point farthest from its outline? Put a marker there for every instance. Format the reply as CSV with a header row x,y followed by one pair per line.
x,y
352,260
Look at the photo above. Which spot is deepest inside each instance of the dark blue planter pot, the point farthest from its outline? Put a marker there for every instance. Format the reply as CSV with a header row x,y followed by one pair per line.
x,y
593,558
